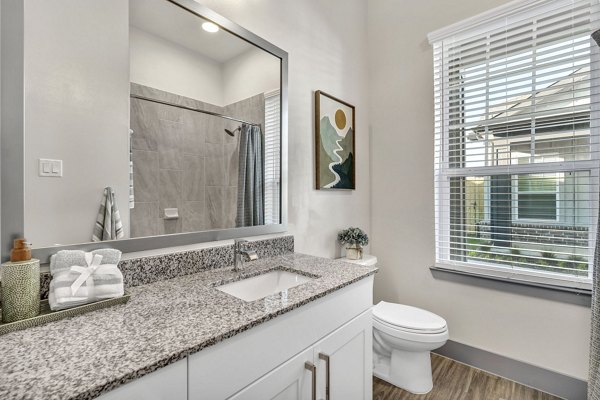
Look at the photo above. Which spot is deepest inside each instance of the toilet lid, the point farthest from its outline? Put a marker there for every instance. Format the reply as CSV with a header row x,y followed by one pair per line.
x,y
410,318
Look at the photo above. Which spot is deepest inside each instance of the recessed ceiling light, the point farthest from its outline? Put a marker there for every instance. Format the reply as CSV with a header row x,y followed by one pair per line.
x,y
210,27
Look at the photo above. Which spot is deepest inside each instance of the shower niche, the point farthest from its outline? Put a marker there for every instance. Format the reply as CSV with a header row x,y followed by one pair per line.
x,y
181,112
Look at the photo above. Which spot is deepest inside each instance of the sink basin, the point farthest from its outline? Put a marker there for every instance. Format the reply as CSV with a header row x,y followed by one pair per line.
x,y
264,285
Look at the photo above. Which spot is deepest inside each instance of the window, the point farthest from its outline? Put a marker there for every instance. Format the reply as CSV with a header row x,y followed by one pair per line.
x,y
536,197
272,158
517,141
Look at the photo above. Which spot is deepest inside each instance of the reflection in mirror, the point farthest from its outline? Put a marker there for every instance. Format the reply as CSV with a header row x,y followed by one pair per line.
x,y
200,151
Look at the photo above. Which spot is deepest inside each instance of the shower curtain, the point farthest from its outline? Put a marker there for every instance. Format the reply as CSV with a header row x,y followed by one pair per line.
x,y
594,375
594,378
251,191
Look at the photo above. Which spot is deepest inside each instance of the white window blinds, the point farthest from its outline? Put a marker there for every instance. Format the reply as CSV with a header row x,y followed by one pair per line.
x,y
517,140
272,157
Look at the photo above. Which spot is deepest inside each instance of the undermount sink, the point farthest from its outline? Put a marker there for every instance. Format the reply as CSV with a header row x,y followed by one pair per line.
x,y
264,285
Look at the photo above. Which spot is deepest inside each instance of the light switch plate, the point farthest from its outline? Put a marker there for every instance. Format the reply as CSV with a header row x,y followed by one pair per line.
x,y
50,168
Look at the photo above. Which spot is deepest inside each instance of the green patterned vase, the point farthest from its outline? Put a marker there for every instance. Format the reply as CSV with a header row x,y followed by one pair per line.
x,y
20,290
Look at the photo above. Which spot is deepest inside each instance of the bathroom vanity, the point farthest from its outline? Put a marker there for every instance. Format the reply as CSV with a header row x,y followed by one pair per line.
x,y
183,338
172,110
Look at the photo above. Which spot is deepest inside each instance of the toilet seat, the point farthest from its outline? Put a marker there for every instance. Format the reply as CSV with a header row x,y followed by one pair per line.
x,y
412,336
408,322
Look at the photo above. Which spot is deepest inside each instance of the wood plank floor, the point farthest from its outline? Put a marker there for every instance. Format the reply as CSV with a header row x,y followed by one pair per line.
x,y
455,381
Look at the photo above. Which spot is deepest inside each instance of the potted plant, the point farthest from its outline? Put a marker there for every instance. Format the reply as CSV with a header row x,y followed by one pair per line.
x,y
355,239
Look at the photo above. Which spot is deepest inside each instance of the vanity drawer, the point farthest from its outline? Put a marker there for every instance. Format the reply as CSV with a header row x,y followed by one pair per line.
x,y
222,370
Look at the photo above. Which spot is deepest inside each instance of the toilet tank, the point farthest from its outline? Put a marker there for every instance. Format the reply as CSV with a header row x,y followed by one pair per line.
x,y
368,260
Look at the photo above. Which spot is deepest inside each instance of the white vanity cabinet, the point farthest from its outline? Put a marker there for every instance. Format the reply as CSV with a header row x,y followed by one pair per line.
x,y
340,365
168,383
337,325
347,355
290,381
274,360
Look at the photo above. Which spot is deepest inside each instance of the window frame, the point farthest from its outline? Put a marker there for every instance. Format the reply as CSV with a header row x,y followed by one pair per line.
x,y
515,192
479,25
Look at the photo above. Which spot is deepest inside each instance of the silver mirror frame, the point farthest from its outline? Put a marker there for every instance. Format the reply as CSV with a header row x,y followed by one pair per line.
x,y
12,148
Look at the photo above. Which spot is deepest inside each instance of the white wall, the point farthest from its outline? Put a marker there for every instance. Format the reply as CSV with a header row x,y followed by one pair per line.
x,y
77,110
545,333
327,44
164,65
252,72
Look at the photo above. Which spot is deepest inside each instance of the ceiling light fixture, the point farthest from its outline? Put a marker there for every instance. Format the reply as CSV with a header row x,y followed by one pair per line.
x,y
210,27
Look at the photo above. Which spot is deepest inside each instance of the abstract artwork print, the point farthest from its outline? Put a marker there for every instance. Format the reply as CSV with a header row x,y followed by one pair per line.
x,y
334,142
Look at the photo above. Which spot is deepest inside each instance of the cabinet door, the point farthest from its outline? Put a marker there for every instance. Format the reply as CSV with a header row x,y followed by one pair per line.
x,y
348,355
290,381
167,383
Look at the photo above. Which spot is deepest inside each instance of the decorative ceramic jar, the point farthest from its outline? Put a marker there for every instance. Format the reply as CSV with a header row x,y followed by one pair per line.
x,y
354,252
20,290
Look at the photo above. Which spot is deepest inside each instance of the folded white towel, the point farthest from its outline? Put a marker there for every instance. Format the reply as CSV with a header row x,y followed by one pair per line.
x,y
65,259
86,283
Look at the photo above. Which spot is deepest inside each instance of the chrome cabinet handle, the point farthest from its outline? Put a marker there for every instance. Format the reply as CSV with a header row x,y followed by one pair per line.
x,y
325,358
311,367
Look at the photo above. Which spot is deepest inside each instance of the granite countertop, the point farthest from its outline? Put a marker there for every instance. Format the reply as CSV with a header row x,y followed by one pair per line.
x,y
163,322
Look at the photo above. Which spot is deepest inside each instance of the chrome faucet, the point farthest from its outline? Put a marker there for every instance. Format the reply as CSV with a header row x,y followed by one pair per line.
x,y
238,253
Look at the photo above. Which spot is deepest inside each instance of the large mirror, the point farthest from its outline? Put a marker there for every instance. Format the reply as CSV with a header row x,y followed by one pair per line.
x,y
146,118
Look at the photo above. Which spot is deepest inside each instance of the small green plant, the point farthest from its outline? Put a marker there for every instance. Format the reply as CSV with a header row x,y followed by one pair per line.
x,y
522,261
353,236
485,246
548,255
577,262
545,261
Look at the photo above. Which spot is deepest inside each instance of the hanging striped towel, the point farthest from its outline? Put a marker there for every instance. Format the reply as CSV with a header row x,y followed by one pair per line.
x,y
108,223
131,196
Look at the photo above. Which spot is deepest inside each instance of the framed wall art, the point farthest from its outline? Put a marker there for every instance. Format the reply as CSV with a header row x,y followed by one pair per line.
x,y
334,143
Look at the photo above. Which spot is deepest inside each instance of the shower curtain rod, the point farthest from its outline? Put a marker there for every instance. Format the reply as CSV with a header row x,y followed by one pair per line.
x,y
166,103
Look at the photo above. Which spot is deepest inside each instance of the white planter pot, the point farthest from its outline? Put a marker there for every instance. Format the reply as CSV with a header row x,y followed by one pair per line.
x,y
354,252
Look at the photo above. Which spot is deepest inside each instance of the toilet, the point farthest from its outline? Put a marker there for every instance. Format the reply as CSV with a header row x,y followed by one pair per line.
x,y
403,337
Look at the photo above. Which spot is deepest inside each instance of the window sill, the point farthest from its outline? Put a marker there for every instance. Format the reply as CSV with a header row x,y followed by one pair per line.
x,y
578,287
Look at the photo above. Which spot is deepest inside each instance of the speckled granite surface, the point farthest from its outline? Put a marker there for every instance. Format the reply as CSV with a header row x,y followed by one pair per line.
x,y
85,356
144,270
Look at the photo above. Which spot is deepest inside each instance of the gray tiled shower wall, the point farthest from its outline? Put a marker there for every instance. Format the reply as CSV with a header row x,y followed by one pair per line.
x,y
184,159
